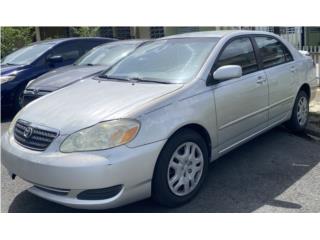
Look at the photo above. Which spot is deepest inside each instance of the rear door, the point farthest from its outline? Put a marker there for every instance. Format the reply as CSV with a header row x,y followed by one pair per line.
x,y
281,72
241,103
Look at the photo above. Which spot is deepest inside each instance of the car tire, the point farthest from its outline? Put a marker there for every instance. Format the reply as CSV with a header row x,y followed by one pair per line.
x,y
189,171
300,113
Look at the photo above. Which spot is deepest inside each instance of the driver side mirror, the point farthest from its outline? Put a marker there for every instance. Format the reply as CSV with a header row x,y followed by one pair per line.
x,y
227,72
54,60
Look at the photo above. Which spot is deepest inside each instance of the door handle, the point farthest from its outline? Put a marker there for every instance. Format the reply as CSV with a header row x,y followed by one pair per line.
x,y
260,80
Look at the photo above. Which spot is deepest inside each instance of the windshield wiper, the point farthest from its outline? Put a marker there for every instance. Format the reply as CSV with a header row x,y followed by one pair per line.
x,y
112,77
87,64
132,79
138,79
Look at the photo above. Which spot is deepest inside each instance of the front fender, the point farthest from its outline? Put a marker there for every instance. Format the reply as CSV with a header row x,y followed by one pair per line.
x,y
163,122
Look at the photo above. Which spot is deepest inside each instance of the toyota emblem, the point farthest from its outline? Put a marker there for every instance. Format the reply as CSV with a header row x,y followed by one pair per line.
x,y
28,132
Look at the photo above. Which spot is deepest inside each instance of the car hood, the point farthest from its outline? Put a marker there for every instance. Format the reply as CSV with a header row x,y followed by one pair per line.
x,y
9,69
64,76
89,101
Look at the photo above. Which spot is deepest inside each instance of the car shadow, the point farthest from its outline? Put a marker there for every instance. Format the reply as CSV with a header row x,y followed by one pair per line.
x,y
242,181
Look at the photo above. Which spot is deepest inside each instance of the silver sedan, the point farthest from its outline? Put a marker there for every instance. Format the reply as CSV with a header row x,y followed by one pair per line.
x,y
151,125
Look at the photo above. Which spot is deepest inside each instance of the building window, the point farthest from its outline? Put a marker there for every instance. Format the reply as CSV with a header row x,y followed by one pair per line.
x,y
287,30
270,29
248,28
123,32
314,29
106,32
156,32
291,30
187,29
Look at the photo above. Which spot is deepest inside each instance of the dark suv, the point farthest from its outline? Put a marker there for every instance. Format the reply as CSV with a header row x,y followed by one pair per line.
x,y
29,62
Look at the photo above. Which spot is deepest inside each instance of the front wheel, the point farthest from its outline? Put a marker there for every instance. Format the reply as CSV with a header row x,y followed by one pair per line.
x,y
300,113
181,169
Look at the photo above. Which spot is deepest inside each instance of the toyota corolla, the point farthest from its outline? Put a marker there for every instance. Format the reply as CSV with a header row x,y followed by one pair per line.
x,y
151,125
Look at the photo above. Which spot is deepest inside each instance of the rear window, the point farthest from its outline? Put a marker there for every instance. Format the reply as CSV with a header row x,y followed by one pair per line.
x,y
272,51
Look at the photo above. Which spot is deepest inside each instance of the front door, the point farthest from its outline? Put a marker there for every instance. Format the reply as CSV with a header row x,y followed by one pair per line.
x,y
241,103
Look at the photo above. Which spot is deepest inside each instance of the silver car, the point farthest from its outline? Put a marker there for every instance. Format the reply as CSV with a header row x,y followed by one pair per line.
x,y
93,62
151,125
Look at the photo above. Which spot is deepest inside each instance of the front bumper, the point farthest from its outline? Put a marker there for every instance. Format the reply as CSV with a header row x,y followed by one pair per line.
x,y
132,168
7,96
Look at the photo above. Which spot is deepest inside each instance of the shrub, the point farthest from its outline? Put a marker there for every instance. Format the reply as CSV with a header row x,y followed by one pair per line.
x,y
13,38
86,31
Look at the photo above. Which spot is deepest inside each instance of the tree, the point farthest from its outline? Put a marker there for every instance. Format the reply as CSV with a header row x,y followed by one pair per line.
x,y
86,31
13,38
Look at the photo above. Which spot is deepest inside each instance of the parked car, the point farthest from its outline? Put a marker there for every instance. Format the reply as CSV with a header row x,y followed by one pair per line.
x,y
96,60
151,124
27,63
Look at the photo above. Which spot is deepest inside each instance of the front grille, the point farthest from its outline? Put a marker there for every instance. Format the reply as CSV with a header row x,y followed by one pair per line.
x,y
31,137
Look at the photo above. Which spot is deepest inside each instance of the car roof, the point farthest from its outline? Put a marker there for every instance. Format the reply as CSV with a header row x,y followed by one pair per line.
x,y
217,34
60,40
136,42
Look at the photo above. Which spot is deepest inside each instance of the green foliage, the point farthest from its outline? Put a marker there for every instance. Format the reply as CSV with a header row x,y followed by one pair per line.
x,y
13,38
86,31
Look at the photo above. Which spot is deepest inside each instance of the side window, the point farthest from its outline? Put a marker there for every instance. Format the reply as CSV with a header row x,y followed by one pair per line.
x,y
272,52
287,54
68,51
87,45
239,52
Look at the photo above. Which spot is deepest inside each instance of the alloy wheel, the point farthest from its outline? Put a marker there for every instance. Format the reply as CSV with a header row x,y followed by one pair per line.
x,y
302,111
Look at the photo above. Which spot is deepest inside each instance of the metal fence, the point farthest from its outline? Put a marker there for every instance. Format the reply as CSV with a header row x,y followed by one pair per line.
x,y
315,54
295,39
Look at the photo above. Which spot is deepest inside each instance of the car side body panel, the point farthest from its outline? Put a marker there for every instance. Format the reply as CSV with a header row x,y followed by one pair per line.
x,y
282,82
241,105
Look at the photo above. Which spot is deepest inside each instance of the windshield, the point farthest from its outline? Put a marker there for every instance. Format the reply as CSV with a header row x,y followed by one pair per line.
x,y
106,55
167,60
26,55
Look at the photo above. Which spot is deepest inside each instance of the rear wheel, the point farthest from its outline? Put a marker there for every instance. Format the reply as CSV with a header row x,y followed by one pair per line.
x,y
300,113
181,169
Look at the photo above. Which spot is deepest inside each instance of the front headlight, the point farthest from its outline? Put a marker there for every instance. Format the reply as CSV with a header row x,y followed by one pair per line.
x,y
29,83
12,124
103,135
7,78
